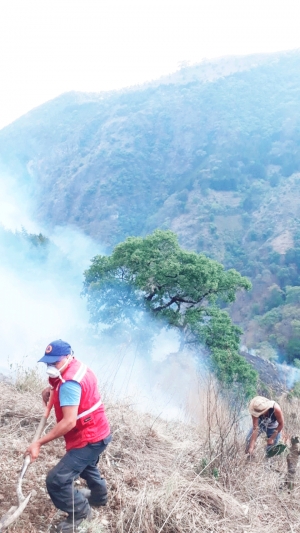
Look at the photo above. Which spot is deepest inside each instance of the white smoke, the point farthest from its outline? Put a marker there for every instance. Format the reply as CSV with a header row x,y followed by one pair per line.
x,y
14,204
40,301
289,375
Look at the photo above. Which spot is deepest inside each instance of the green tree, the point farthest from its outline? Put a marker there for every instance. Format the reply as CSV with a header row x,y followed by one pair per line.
x,y
293,349
37,240
275,297
155,275
292,295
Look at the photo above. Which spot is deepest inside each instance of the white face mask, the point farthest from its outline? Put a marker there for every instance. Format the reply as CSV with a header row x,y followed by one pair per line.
x,y
54,372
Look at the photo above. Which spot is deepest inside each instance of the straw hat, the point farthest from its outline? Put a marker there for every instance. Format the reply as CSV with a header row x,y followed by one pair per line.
x,y
259,405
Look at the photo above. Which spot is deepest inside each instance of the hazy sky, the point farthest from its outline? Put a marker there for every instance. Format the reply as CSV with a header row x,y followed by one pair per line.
x,y
48,47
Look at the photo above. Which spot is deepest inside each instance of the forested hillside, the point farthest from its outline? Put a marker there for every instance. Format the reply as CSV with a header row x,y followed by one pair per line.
x,y
211,153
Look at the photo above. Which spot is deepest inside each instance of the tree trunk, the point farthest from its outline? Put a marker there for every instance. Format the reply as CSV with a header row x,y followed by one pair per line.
x,y
292,461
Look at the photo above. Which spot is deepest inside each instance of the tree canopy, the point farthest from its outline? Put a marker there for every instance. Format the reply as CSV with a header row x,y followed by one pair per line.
x,y
155,275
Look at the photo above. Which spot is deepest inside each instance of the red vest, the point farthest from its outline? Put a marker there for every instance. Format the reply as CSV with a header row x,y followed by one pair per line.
x,y
93,425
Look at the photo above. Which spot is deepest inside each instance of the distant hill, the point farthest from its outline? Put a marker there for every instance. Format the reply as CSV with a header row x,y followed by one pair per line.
x,y
211,152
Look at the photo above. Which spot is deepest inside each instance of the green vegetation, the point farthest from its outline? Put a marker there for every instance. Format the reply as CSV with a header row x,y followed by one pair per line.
x,y
155,275
37,240
278,312
295,392
136,157
15,247
217,162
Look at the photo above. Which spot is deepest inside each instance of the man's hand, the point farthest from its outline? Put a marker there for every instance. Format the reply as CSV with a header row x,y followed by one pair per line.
x,y
46,395
33,450
270,441
250,450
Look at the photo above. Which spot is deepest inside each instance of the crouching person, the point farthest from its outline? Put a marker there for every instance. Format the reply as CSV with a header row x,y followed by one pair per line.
x,y
82,421
267,417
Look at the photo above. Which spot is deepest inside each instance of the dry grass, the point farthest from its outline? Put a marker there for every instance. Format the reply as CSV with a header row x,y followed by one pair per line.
x,y
163,477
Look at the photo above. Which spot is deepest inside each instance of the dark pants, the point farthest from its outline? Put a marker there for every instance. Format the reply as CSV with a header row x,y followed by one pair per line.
x,y
268,432
78,462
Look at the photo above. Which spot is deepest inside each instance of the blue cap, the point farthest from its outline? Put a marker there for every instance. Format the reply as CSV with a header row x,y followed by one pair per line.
x,y
56,351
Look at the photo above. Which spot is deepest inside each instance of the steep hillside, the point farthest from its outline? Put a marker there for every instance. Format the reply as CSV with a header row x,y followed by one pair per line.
x,y
124,162
162,477
211,152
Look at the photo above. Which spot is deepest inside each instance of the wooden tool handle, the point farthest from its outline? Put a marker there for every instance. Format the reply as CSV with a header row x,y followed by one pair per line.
x,y
36,437
44,418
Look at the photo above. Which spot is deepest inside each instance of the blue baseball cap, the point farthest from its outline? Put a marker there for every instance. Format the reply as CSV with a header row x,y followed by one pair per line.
x,y
55,351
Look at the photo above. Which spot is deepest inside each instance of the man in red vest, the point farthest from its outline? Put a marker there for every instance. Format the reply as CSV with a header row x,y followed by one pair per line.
x,y
82,421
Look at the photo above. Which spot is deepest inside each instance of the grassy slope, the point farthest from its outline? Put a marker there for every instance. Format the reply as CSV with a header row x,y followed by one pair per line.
x,y
159,473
